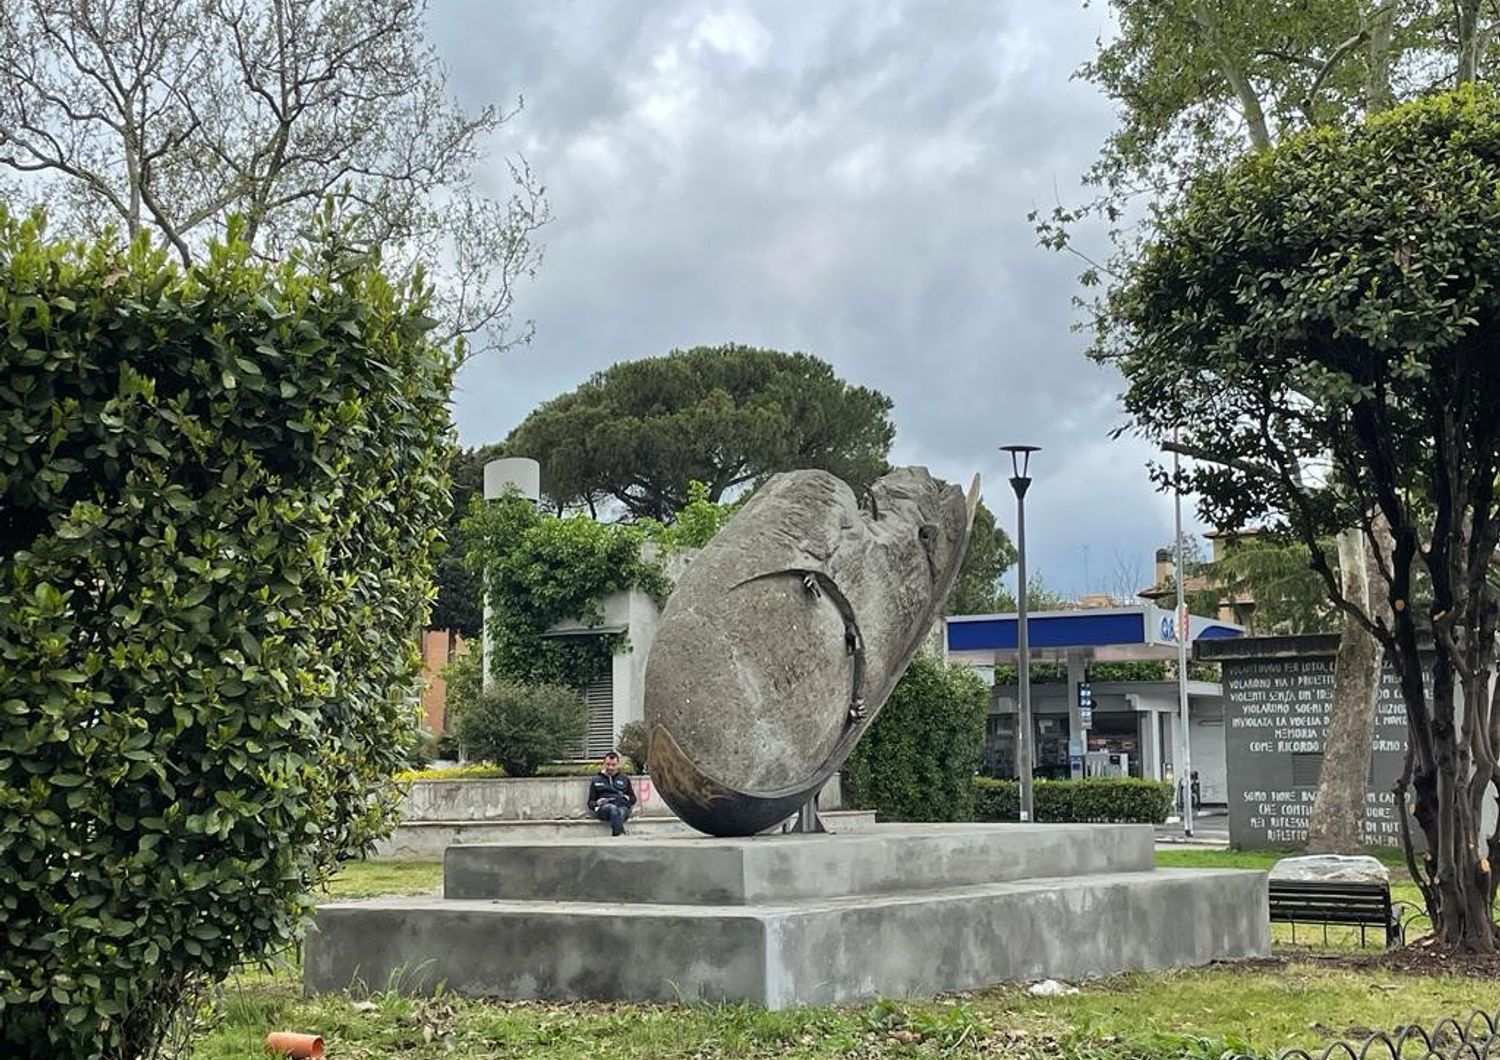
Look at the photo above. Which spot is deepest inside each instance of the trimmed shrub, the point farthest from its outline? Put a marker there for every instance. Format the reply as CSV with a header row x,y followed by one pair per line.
x,y
633,744
917,761
1104,800
220,495
520,726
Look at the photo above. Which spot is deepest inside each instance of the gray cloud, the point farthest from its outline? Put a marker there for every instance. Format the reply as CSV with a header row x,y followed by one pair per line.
x,y
849,178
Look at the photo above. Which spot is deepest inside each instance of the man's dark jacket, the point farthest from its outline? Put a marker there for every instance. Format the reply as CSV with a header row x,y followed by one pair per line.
x,y
606,789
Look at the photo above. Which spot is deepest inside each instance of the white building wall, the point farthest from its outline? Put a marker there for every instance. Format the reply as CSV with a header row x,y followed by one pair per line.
x,y
1208,757
630,664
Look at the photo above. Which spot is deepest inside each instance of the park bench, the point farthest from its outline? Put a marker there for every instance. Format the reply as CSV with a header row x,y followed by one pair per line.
x,y
1341,902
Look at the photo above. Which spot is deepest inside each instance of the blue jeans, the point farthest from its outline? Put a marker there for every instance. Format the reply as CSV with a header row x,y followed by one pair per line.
x,y
616,813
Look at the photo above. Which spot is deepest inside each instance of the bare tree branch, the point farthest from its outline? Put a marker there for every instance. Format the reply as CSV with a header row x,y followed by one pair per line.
x,y
172,118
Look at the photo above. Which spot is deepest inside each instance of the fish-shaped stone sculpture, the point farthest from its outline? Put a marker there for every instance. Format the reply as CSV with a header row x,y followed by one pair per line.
x,y
786,635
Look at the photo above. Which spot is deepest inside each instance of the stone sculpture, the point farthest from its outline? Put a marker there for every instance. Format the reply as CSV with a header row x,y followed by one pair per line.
x,y
785,636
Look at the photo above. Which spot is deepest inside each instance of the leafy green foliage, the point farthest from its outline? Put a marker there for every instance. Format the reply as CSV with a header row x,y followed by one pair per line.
x,y
1050,673
1200,81
424,749
1332,303
542,570
462,678
1175,66
520,726
1289,595
695,523
1142,670
633,743
917,760
640,431
977,590
1041,673
1105,800
220,495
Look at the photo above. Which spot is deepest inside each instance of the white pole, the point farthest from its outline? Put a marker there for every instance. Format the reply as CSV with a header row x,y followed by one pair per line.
x,y
1183,633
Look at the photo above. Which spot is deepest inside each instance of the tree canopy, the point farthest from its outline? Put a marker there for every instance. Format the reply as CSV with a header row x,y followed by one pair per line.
x,y
1290,597
150,115
1320,316
977,591
1196,82
1200,81
638,432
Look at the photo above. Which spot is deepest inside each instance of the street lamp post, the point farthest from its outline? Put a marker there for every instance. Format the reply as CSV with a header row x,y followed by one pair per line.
x,y
1020,461
1184,632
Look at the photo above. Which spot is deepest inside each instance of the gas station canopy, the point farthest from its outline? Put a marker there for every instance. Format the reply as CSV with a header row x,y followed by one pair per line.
x,y
1117,634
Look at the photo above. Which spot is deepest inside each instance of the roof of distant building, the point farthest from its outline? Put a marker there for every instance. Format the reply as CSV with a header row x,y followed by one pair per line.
x,y
1116,634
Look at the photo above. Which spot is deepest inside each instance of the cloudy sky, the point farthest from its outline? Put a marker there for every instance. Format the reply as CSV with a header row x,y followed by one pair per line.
x,y
848,178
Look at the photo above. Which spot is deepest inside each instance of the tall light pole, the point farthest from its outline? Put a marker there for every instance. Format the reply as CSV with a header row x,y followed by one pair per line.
x,y
1020,465
1183,633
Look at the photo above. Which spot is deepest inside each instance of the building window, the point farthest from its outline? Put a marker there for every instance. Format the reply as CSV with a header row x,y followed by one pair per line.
x,y
599,729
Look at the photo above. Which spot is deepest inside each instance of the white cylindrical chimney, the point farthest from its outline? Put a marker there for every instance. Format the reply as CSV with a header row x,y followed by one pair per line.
x,y
521,472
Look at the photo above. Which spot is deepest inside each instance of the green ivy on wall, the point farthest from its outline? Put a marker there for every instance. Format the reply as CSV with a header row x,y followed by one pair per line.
x,y
541,570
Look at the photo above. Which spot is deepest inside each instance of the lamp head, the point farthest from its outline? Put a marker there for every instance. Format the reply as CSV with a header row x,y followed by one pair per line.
x,y
1020,465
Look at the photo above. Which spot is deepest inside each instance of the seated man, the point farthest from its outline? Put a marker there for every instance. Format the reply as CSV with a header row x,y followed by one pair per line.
x,y
610,795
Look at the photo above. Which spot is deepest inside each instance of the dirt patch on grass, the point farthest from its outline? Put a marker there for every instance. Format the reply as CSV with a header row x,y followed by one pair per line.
x,y
1428,958
1420,958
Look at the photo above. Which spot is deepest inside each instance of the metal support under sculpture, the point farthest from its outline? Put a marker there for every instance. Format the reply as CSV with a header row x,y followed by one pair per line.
x,y
785,637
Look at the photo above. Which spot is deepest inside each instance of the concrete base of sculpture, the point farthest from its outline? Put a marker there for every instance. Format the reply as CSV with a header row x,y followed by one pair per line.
x,y
428,840
789,920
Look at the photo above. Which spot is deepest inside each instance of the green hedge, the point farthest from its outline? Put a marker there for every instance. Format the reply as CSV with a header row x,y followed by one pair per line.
x,y
917,761
220,495
1112,800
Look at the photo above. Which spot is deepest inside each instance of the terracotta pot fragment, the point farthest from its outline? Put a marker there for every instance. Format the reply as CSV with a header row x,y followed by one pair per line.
x,y
296,1046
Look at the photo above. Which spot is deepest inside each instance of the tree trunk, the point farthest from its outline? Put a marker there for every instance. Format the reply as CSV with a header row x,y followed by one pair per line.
x,y
1336,825
1377,21
1462,882
1256,125
1466,13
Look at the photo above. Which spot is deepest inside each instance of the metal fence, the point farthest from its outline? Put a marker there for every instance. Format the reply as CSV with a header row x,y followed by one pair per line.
x,y
1450,1038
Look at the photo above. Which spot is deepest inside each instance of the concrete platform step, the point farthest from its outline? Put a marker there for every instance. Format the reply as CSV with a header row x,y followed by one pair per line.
x,y
699,870
826,951
426,840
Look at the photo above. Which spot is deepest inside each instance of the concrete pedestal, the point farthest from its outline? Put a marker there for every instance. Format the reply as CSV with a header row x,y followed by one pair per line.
x,y
790,920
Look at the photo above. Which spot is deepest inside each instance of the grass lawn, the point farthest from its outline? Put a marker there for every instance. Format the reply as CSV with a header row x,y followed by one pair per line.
x,y
1260,1008
366,879
1201,1012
